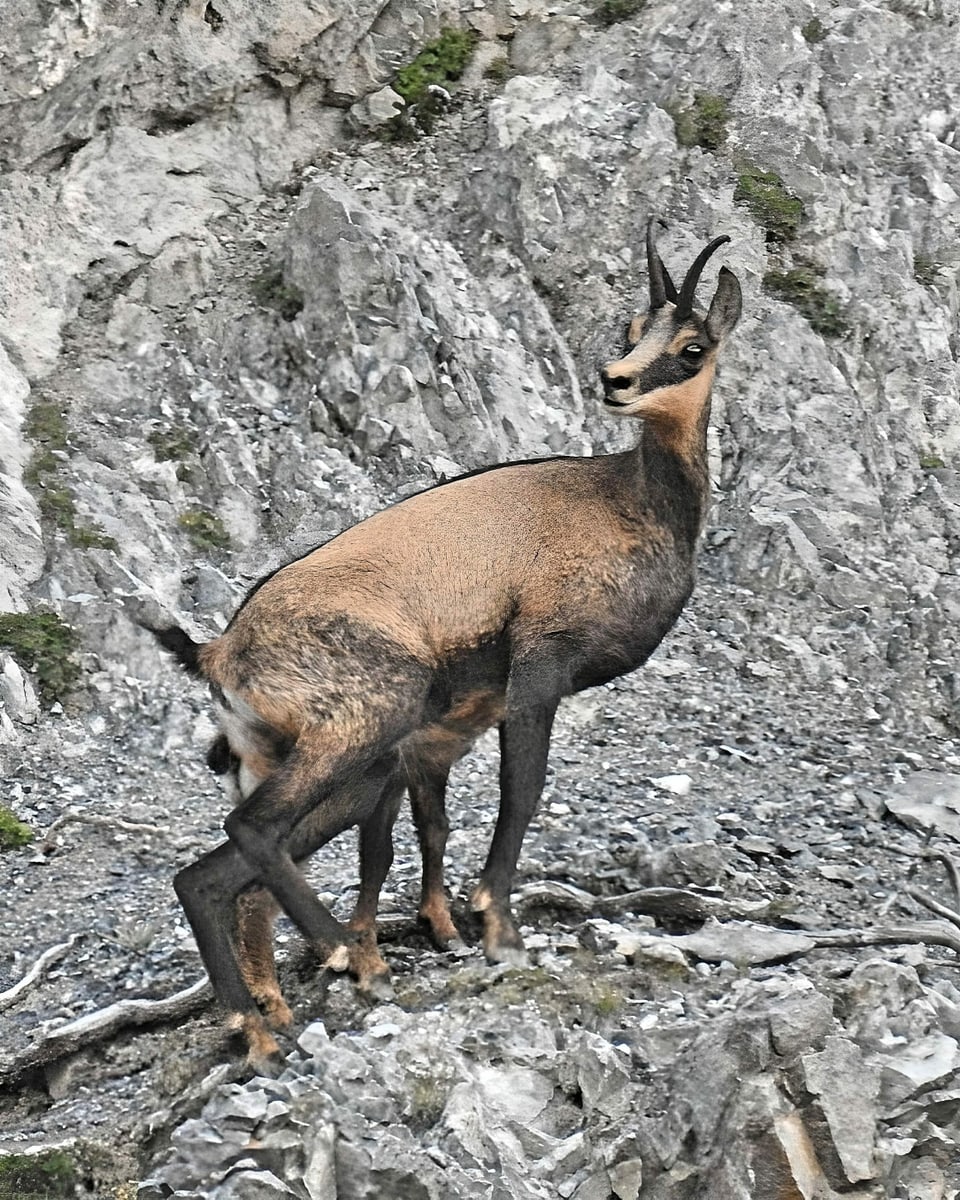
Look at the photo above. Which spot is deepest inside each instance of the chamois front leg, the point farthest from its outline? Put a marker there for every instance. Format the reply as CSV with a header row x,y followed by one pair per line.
x,y
524,746
428,786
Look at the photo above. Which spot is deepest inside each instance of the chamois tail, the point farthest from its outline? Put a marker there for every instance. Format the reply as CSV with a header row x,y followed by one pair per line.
x,y
183,648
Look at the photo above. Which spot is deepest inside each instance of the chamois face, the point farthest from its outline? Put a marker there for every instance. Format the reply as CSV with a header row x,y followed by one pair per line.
x,y
671,352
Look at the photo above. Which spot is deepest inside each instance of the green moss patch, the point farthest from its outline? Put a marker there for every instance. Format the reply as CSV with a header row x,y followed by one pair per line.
x,y
814,31
13,835
46,1176
800,287
767,198
44,645
610,12
704,123
46,426
427,1098
925,269
204,529
931,462
438,63
498,71
172,444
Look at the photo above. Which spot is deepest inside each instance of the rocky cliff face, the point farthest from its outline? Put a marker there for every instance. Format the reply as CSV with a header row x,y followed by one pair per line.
x,y
242,304
212,254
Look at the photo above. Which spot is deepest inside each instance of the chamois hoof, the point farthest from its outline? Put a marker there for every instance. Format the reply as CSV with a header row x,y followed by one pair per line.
x,y
444,935
264,1055
501,942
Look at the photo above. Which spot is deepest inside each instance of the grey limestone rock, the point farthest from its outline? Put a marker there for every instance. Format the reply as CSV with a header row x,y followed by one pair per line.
x,y
261,322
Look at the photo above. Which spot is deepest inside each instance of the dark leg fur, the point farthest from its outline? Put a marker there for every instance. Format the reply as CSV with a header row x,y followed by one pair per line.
x,y
292,814
427,800
208,891
232,920
524,746
376,858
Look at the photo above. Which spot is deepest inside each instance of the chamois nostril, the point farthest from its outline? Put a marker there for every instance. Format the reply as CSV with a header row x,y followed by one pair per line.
x,y
613,383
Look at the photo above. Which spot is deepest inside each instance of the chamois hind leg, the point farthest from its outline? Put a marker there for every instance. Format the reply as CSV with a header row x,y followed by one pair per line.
x,y
524,746
256,908
428,786
209,891
376,858
320,790
256,912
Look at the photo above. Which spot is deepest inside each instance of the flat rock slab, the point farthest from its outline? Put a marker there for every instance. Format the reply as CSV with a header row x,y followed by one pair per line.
x,y
846,1088
928,801
742,943
924,1063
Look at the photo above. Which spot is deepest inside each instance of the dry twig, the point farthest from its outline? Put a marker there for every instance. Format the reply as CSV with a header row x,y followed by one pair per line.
x,y
928,902
925,935
104,1023
678,903
953,873
46,958
76,814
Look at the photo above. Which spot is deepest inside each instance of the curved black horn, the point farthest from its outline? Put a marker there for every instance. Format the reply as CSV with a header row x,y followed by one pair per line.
x,y
685,301
662,287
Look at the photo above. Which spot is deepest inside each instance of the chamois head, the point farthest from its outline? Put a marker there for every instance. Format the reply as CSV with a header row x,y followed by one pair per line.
x,y
668,368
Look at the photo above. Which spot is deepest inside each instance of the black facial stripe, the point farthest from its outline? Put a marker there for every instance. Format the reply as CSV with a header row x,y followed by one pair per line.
x,y
667,370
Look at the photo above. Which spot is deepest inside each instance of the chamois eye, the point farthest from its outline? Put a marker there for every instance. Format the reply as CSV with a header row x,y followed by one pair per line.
x,y
692,352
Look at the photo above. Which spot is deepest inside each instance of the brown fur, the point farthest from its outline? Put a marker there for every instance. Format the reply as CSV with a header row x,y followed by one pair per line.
x,y
372,664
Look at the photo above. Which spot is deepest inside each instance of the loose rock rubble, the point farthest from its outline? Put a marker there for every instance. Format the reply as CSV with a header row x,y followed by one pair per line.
x,y
762,1083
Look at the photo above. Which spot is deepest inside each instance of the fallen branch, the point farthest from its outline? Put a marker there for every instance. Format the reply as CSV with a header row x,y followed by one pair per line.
x,y
941,910
927,935
678,903
953,872
105,1022
46,958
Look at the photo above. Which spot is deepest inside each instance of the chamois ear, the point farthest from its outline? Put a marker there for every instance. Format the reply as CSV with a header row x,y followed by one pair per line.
x,y
725,307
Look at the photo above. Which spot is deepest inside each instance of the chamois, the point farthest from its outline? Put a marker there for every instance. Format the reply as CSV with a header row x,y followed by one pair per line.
x,y
370,665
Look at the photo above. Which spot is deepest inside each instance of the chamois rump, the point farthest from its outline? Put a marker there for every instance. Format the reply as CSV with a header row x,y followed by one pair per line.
x,y
370,665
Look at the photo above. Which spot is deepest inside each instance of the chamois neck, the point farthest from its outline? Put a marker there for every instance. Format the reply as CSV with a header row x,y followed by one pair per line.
x,y
672,475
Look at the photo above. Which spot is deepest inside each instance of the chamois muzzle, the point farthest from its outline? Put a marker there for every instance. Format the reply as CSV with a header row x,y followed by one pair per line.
x,y
612,384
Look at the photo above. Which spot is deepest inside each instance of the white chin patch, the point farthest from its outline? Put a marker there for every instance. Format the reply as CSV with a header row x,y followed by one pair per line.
x,y
623,410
